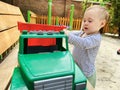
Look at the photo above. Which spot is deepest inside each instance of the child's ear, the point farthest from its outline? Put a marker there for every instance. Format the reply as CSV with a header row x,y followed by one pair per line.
x,y
103,23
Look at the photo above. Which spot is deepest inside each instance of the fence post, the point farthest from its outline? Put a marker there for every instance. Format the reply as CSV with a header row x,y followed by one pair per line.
x,y
57,22
71,16
28,16
49,11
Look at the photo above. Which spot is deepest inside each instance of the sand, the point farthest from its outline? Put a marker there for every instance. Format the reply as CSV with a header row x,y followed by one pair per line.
x,y
108,64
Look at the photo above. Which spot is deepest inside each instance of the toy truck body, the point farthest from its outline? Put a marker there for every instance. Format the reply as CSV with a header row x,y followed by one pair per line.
x,y
47,66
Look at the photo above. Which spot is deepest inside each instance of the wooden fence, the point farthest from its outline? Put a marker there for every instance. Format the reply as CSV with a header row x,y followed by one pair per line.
x,y
61,21
36,19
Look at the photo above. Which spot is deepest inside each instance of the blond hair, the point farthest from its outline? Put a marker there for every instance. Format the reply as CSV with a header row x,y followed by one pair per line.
x,y
102,10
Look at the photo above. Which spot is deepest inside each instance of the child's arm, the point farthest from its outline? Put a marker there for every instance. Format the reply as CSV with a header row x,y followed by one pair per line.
x,y
75,32
87,42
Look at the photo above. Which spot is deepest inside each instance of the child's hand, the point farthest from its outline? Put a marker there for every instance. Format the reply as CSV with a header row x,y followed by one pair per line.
x,y
66,31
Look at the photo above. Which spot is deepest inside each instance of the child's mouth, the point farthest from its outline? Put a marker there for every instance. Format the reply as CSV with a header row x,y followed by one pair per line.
x,y
86,28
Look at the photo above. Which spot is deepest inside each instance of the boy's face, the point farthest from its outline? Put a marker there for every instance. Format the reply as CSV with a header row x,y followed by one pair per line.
x,y
92,22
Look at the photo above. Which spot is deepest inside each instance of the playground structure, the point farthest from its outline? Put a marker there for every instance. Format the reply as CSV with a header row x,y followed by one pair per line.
x,y
49,17
36,71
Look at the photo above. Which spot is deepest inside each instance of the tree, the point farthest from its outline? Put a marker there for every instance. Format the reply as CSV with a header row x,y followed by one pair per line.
x,y
116,14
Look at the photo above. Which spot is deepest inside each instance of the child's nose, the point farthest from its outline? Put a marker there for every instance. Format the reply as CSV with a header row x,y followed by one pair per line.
x,y
86,23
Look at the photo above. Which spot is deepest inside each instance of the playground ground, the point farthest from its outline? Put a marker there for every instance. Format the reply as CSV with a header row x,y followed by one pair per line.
x,y
108,64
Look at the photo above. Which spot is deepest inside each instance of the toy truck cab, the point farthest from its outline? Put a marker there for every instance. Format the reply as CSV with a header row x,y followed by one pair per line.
x,y
46,66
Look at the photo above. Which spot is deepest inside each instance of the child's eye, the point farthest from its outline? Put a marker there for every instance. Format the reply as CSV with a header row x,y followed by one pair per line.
x,y
84,20
89,21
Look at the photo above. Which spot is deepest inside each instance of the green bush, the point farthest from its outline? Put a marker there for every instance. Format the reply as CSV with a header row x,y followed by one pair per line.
x,y
115,21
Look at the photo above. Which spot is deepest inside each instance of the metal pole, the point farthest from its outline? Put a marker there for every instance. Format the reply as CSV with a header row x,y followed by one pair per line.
x,y
28,16
71,16
49,11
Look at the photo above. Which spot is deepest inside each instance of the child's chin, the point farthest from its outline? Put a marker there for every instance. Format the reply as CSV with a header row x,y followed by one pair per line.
x,y
86,31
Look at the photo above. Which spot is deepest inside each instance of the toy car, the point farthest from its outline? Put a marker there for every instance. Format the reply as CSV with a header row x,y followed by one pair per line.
x,y
48,65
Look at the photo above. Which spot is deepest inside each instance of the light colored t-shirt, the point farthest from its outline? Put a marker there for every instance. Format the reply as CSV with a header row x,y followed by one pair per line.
x,y
85,50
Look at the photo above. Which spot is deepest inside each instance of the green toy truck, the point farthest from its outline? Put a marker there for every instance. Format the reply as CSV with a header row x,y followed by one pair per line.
x,y
46,66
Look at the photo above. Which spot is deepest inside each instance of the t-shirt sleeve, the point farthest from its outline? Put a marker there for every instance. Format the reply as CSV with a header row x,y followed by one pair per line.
x,y
76,32
86,42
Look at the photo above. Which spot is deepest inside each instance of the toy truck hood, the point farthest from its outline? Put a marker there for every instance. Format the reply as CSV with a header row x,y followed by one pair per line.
x,y
46,65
